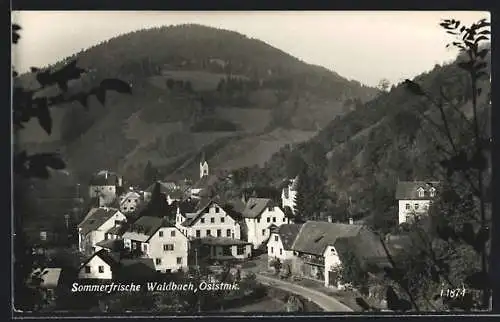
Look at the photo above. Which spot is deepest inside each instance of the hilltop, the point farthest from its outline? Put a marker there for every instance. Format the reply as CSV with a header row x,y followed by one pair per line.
x,y
195,88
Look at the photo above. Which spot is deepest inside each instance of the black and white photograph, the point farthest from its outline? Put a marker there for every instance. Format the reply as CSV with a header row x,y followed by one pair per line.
x,y
251,162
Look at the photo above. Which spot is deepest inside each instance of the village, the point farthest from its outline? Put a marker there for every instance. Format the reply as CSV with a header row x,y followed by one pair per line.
x,y
118,239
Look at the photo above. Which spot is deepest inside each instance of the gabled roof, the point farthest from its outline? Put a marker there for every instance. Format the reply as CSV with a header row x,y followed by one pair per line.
x,y
409,189
111,244
255,207
110,258
96,218
143,228
315,236
365,246
117,230
288,233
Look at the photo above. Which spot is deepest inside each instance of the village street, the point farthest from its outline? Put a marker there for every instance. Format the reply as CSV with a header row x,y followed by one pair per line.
x,y
326,302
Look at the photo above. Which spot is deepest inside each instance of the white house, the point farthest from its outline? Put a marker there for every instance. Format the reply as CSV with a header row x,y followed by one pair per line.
x,y
101,265
261,214
223,248
155,239
129,201
105,184
279,245
209,220
289,194
414,198
95,226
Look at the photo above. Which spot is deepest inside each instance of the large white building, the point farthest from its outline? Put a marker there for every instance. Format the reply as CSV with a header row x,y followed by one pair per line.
x,y
289,194
414,198
105,185
261,214
153,238
95,226
280,242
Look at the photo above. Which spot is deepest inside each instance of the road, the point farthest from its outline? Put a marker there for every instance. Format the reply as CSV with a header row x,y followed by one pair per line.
x,y
327,303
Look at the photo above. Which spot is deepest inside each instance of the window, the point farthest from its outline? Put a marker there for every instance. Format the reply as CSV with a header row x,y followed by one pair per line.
x,y
117,222
106,236
420,192
208,232
432,192
219,233
212,220
198,234
134,246
161,233
270,208
158,261
179,260
43,235
416,206
274,219
228,233
217,209
408,218
145,247
168,247
258,220
222,219
87,269
240,249
110,188
226,251
268,219
281,251
272,250
284,219
263,232
172,233
407,206
101,269
276,238
202,220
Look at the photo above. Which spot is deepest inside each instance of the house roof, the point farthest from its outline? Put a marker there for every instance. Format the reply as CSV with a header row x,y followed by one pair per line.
x,y
105,178
315,236
143,228
126,196
165,186
96,218
288,233
200,208
117,230
255,207
50,276
222,241
110,258
206,181
409,189
110,244
365,246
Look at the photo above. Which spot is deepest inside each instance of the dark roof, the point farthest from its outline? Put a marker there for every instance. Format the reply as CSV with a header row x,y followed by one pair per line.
x,y
96,218
206,181
117,230
224,241
110,258
315,236
409,189
255,207
288,233
110,244
143,228
365,246
104,178
165,186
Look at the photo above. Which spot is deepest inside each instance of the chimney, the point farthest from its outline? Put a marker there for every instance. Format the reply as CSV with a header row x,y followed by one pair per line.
x,y
330,218
351,221
106,174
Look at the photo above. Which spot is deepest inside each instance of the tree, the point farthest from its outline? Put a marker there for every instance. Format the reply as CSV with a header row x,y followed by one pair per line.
x,y
28,104
384,84
150,173
466,165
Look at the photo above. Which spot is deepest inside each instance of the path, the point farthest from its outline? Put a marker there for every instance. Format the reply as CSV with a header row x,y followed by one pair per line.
x,y
327,303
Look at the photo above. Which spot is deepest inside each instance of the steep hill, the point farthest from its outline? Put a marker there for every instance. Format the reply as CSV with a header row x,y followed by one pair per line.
x,y
195,88
389,139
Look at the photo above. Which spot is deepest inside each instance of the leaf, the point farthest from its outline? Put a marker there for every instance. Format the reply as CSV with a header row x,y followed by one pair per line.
x,y
481,38
446,233
16,27
414,87
465,65
478,280
116,85
482,53
34,69
484,32
44,118
362,303
480,66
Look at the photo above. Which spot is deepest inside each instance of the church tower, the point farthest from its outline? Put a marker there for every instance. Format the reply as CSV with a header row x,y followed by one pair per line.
x,y
203,166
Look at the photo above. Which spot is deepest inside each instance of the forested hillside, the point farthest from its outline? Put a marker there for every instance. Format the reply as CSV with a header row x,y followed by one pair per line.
x,y
194,88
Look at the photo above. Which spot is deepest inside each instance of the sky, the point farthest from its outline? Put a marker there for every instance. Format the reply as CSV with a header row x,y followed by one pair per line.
x,y
360,45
